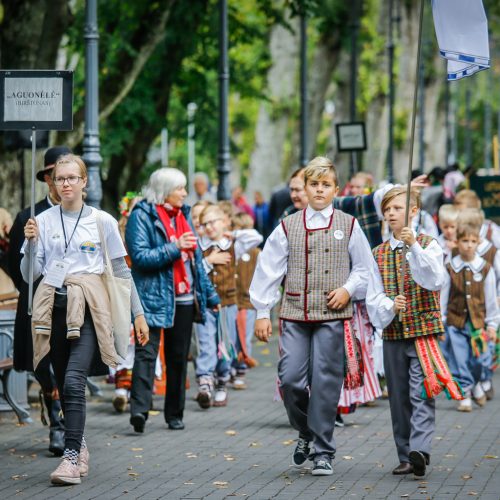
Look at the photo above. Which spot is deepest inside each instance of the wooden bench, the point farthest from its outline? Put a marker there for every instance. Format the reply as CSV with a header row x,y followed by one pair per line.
x,y
7,364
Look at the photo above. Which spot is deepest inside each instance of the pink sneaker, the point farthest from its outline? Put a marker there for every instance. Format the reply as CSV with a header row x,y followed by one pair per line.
x,y
66,473
83,462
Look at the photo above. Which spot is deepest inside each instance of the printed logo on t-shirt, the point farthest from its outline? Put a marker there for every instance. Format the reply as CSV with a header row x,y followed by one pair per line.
x,y
88,247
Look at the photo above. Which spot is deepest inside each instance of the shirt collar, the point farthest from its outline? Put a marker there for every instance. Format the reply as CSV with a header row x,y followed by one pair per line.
x,y
205,243
483,247
476,264
397,243
326,212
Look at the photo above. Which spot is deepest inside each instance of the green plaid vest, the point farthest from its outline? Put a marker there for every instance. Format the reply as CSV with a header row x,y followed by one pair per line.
x,y
422,315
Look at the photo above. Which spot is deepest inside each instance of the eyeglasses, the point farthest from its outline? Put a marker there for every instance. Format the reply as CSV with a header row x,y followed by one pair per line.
x,y
72,180
209,223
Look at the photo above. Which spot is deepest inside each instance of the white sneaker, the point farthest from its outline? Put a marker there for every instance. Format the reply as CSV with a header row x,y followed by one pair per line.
x,y
478,394
220,398
465,405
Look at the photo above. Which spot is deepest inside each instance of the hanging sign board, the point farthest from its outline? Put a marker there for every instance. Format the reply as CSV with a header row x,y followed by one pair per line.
x,y
36,100
487,188
351,136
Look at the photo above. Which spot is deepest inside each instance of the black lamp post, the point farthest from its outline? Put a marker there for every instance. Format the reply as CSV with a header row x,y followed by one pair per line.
x,y
303,90
91,145
223,157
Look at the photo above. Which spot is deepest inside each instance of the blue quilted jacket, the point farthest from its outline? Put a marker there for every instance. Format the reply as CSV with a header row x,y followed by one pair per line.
x,y
152,258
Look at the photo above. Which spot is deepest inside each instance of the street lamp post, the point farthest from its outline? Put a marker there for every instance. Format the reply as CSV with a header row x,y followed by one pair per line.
x,y
91,145
355,14
224,157
303,90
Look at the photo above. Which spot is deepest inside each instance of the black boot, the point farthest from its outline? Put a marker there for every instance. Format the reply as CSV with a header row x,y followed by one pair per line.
x,y
56,435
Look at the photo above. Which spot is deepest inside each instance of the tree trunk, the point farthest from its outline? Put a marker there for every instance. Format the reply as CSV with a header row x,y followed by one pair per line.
x,y
267,167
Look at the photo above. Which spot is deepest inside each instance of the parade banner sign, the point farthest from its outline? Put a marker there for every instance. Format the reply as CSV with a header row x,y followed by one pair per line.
x,y
487,188
36,100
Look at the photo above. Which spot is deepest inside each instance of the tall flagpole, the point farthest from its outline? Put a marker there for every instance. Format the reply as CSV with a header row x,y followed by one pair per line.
x,y
412,141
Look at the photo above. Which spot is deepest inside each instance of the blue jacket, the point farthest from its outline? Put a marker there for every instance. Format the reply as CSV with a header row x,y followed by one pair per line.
x,y
152,258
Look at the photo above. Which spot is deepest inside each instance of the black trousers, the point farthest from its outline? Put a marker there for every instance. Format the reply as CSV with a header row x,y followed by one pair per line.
x,y
177,341
71,360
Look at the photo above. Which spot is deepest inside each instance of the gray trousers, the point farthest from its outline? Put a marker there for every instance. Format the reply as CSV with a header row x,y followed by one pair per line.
x,y
311,373
413,418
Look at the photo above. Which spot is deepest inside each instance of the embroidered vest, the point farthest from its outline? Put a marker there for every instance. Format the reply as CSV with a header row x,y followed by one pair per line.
x,y
244,275
467,296
223,278
422,315
318,262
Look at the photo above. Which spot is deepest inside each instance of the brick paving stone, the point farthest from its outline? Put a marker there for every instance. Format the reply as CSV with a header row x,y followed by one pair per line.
x,y
207,462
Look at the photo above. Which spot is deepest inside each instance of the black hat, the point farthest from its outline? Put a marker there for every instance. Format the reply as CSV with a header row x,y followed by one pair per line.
x,y
50,158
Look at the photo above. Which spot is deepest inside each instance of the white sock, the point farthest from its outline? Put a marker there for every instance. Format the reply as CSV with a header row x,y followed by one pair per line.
x,y
486,385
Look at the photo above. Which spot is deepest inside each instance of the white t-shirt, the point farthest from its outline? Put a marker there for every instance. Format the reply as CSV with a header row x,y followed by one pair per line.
x,y
84,253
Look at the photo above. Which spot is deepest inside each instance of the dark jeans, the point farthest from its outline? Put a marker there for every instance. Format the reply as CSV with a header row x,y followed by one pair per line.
x,y
71,360
44,375
177,341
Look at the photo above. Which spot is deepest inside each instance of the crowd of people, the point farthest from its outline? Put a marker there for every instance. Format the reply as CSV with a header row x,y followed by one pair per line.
x,y
374,302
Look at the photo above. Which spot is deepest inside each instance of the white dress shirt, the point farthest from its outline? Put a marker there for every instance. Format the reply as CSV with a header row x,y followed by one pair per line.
x,y
427,270
273,261
495,232
490,292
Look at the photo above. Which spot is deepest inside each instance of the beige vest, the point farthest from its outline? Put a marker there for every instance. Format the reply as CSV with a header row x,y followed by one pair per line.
x,y
318,263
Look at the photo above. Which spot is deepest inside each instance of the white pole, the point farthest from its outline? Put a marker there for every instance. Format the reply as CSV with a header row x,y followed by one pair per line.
x,y
191,111
164,147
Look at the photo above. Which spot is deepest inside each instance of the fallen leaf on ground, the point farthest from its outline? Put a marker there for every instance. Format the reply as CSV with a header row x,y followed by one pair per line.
x,y
458,426
490,456
466,476
229,458
255,444
288,442
231,433
220,484
154,412
449,455
133,474
188,482
405,495
136,449
472,493
331,488
255,465
347,457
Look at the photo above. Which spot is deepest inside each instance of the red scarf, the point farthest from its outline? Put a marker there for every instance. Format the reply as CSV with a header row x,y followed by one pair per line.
x,y
174,232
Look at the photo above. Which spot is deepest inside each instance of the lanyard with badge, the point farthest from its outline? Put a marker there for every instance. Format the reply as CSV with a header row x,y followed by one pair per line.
x,y
58,268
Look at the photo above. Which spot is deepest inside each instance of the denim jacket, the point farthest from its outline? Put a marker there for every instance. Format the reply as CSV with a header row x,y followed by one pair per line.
x,y
153,256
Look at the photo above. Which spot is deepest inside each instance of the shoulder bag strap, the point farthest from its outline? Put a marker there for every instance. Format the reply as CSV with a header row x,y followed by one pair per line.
x,y
108,268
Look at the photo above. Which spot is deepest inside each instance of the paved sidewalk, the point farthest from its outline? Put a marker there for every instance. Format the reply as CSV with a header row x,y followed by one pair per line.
x,y
244,451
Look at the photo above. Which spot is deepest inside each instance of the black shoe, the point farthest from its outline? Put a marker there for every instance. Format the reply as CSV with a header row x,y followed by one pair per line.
x,y
176,424
419,461
301,453
322,467
403,468
339,421
138,420
56,442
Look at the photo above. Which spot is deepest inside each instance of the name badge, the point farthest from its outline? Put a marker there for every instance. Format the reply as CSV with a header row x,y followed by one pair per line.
x,y
56,273
245,257
477,277
338,234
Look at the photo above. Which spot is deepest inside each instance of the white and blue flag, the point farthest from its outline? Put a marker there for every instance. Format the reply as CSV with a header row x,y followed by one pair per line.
x,y
462,34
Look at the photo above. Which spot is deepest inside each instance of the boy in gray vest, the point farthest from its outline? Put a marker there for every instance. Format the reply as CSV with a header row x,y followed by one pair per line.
x,y
322,253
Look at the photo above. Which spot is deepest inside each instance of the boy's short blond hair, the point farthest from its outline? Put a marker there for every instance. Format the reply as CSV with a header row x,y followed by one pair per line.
x,y
227,207
466,229
320,167
468,198
216,209
397,191
447,213
471,216
242,220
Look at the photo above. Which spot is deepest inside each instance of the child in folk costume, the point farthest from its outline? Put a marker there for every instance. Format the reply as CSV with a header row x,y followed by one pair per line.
x,y
411,321
469,199
448,216
470,311
322,254
247,314
221,249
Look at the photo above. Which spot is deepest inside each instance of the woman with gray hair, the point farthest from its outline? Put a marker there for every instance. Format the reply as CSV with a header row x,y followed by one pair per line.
x,y
173,287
